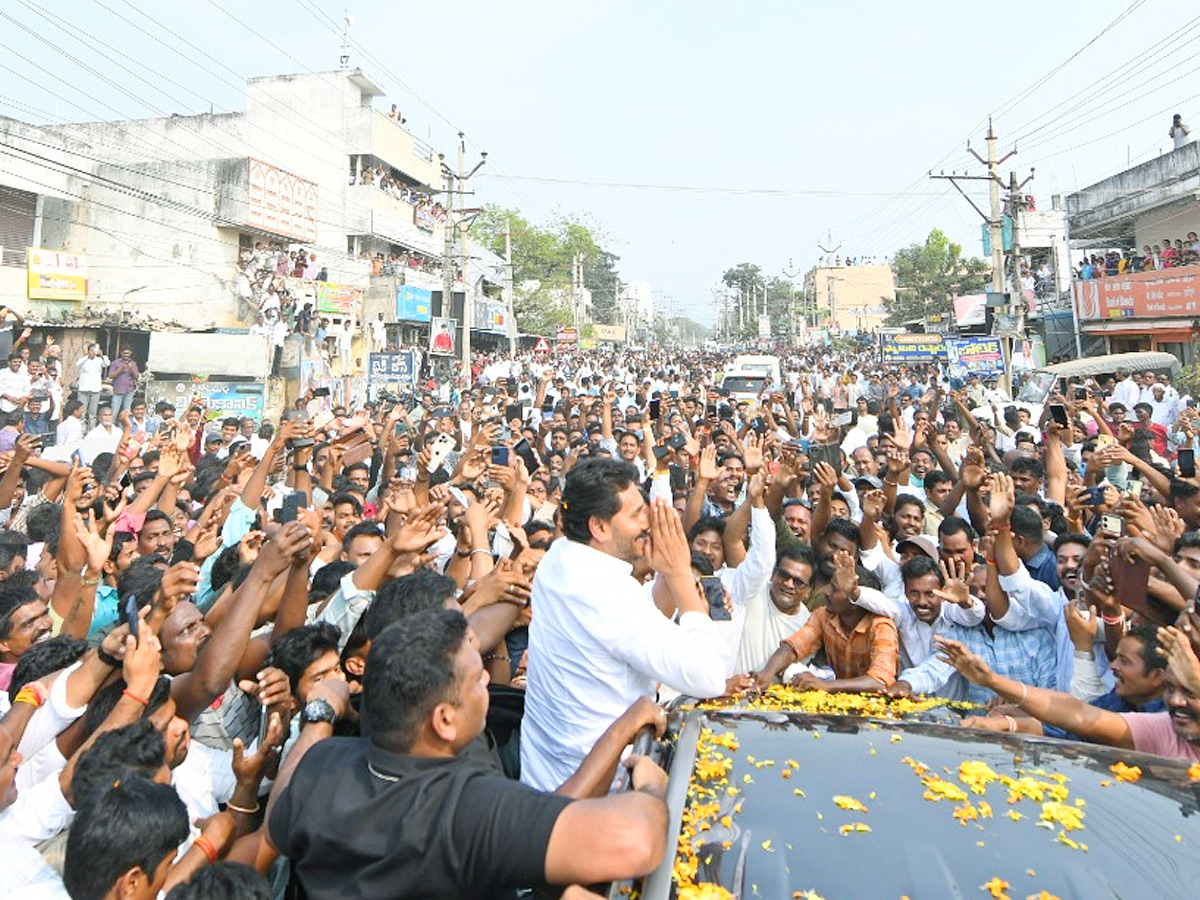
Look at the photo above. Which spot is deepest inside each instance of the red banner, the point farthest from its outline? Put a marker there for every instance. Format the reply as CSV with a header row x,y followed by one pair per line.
x,y
1168,292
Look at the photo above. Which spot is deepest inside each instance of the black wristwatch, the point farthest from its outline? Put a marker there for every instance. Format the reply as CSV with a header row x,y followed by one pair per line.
x,y
318,711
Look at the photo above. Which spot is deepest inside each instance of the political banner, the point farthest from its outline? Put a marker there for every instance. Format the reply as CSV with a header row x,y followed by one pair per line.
x,y
911,348
390,368
338,299
982,356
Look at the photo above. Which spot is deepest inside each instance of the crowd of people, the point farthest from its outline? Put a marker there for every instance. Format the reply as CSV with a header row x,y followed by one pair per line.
x,y
426,210
402,649
1170,254
264,270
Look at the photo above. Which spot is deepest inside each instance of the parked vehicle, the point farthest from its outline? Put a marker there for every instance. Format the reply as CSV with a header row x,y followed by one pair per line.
x,y
750,374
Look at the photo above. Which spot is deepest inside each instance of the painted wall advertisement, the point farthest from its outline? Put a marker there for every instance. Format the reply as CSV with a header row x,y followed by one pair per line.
x,y
911,348
56,276
281,203
1167,292
982,356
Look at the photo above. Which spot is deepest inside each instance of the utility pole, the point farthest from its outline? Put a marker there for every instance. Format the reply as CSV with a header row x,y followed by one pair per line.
x,y
456,225
511,317
790,275
995,223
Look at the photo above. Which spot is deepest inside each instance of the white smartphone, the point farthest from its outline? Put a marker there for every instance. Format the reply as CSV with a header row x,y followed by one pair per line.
x,y
439,450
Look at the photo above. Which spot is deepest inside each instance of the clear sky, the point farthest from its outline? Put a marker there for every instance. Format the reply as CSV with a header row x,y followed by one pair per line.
x,y
784,120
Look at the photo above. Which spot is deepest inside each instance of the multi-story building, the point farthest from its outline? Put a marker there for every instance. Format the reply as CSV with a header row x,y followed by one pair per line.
x,y
174,217
1146,205
846,297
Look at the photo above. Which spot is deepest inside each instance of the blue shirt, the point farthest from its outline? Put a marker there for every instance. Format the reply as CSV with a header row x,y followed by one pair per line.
x,y
104,614
1113,702
1044,567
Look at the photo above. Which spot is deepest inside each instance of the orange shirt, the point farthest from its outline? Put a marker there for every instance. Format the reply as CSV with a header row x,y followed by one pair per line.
x,y
871,648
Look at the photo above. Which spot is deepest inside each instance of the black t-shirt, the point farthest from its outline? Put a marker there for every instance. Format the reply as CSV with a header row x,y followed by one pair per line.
x,y
359,821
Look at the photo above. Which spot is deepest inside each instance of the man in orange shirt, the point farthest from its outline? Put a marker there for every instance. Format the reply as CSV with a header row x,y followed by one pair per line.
x,y
862,648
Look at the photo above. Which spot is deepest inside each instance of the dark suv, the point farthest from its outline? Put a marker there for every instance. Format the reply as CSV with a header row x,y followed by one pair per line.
x,y
770,801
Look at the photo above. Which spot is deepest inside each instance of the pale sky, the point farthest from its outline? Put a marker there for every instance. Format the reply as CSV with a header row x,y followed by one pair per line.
x,y
841,108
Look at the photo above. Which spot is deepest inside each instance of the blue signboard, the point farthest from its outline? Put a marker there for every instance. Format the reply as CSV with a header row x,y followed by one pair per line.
x,y
390,368
982,356
911,348
413,304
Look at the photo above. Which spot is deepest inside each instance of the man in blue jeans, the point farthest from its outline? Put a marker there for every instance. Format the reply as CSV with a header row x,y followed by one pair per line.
x,y
124,374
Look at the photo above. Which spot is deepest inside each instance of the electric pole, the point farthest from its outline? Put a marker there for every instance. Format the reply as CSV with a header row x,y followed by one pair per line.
x,y
511,317
456,225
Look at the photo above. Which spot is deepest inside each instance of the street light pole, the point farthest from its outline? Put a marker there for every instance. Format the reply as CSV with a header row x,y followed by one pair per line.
x,y
455,226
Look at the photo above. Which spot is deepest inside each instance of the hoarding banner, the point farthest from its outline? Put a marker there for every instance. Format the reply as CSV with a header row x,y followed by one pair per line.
x,y
224,398
911,348
614,333
281,203
443,336
413,304
56,276
1167,292
338,299
390,368
981,356
567,336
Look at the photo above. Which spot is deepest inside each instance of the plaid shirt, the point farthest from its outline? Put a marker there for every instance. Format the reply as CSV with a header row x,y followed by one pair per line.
x,y
871,648
1030,657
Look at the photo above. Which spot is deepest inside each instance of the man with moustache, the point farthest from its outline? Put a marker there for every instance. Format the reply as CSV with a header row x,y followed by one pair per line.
x,y
599,639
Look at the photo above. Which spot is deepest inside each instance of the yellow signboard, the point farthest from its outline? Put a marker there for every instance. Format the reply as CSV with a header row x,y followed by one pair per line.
x,y
56,276
614,333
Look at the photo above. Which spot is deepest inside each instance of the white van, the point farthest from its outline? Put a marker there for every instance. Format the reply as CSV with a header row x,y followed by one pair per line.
x,y
746,378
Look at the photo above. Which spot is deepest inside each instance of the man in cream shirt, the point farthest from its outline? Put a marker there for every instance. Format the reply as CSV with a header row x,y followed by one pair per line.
x,y
598,639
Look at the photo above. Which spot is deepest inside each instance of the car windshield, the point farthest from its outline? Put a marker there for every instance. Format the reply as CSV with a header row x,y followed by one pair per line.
x,y
744,384
782,804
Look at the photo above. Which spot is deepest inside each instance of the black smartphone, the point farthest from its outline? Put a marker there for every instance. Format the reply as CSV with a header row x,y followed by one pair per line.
x,y
523,450
1080,392
661,451
320,392
826,453
1095,496
131,614
289,510
714,593
499,455
1187,462
1058,413
514,411
759,425
677,441
711,410
656,409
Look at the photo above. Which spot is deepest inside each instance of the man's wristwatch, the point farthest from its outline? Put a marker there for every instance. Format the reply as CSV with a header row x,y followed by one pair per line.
x,y
318,711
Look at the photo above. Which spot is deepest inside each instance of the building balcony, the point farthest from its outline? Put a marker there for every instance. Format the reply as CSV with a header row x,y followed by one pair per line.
x,y
380,214
371,133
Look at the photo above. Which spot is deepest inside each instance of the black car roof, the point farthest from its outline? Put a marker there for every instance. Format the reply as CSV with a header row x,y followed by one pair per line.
x,y
848,807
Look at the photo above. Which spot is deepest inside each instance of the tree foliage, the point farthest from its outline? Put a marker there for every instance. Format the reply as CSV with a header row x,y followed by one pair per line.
x,y
930,275
543,257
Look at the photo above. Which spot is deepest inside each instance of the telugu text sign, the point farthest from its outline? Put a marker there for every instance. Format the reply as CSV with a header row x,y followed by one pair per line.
x,y
911,348
983,356
56,276
1168,292
390,368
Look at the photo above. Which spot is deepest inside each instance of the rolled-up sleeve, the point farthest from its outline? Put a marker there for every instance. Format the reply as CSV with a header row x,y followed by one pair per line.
x,y
885,651
807,639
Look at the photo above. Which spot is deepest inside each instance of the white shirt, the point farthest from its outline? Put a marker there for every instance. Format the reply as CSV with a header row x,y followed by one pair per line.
x,y
746,582
15,384
596,644
91,372
69,430
1127,393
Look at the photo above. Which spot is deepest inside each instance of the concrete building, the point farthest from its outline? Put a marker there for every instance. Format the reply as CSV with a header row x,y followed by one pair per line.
x,y
165,212
845,297
1145,205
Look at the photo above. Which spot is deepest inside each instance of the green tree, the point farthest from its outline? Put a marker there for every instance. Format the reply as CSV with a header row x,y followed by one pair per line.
x,y
747,280
543,258
601,278
930,275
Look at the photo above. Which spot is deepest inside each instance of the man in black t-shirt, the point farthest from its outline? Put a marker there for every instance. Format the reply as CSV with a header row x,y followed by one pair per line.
x,y
400,815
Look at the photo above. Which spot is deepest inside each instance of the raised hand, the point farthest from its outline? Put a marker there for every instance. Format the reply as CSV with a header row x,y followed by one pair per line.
x,y
845,577
1002,500
421,530
708,470
669,552
970,666
957,587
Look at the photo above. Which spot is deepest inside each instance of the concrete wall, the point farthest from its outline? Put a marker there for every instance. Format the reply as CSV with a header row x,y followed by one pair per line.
x,y
1172,222
1101,208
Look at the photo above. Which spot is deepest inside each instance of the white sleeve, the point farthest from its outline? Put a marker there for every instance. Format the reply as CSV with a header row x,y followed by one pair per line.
x,y
1085,682
687,656
880,603
660,487
877,562
1032,604
36,815
929,677
755,571
52,718
969,616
